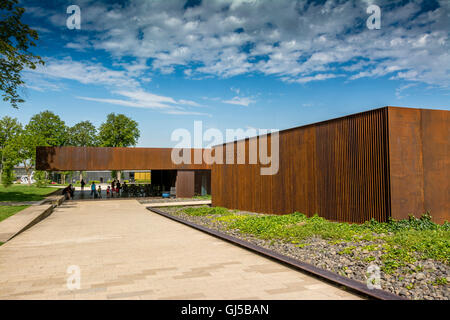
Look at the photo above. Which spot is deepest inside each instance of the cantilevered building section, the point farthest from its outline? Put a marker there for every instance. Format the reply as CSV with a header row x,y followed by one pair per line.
x,y
188,179
388,162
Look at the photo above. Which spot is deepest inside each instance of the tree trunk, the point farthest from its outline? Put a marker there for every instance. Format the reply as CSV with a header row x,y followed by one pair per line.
x,y
63,178
81,176
1,166
118,174
29,176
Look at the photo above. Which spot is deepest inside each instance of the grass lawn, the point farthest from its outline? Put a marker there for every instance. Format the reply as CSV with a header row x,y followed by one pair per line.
x,y
24,193
8,211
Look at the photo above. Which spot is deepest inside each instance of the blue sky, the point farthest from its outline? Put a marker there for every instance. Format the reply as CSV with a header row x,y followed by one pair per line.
x,y
234,63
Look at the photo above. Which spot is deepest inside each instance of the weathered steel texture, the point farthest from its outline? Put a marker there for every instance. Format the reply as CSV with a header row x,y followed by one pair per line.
x,y
335,168
419,143
388,162
102,158
185,185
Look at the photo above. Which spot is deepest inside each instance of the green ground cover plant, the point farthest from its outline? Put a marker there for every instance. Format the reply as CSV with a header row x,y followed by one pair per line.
x,y
402,242
8,211
207,211
205,197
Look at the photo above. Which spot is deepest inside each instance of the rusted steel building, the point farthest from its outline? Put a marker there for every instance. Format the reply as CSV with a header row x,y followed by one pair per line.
x,y
388,162
188,179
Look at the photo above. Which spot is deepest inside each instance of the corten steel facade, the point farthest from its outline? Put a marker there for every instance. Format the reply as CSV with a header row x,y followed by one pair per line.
x,y
388,162
164,171
104,158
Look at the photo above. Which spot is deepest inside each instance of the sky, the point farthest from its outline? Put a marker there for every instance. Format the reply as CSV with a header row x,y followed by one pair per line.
x,y
234,63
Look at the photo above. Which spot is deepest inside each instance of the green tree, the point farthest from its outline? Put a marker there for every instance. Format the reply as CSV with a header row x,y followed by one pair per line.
x,y
16,38
83,134
22,149
119,131
65,175
48,128
41,179
9,128
8,176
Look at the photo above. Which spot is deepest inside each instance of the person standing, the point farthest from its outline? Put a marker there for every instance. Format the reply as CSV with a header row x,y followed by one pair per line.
x,y
118,188
82,184
93,190
100,191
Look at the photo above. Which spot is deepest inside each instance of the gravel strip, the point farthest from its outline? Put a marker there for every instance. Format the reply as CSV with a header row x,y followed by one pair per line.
x,y
416,281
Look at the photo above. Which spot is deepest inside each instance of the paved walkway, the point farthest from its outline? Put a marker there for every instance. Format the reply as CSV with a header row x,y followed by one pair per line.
x,y
21,220
123,251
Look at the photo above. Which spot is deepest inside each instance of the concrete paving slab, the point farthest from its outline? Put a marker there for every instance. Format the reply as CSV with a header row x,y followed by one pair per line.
x,y
124,251
22,220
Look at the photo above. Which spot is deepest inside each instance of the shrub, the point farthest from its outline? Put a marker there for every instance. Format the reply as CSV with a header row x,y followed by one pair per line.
x,y
41,181
8,176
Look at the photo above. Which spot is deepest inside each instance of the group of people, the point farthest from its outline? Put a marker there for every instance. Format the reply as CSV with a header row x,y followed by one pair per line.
x,y
96,192
115,188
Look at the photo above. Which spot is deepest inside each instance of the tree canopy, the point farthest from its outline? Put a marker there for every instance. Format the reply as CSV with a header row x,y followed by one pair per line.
x,y
48,128
18,144
83,134
22,149
16,38
10,128
119,131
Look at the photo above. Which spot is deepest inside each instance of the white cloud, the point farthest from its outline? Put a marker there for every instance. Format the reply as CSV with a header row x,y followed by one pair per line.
x,y
123,81
292,40
147,100
86,73
242,101
189,103
317,77
399,91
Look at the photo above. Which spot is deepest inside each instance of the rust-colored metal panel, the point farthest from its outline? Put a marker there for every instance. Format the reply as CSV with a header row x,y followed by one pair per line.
x,y
102,158
185,184
436,163
406,166
335,168
419,141
387,162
